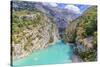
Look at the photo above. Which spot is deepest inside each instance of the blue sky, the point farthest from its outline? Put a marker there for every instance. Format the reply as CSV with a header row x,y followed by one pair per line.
x,y
72,7
81,7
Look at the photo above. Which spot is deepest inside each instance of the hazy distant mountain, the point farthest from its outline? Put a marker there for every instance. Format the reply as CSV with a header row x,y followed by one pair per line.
x,y
60,16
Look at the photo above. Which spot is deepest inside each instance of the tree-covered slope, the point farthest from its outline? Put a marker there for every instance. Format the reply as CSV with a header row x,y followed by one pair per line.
x,y
83,32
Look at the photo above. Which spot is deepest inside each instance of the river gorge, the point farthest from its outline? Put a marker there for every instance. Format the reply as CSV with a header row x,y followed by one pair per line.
x,y
43,33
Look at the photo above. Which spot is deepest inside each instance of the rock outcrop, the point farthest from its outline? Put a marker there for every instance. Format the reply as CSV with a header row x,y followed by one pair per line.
x,y
33,38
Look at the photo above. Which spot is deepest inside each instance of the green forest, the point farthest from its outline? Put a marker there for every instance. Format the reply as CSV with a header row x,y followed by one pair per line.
x,y
83,30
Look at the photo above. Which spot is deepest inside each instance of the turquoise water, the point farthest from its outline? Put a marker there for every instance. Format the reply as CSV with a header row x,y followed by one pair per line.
x,y
57,53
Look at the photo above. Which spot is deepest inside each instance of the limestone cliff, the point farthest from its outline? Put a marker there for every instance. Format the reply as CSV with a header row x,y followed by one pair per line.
x,y
38,34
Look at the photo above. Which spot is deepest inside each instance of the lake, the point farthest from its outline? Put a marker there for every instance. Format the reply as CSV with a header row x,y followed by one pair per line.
x,y
56,53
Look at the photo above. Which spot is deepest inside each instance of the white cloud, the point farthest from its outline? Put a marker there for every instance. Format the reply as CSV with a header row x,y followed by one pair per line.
x,y
73,8
44,3
50,4
53,4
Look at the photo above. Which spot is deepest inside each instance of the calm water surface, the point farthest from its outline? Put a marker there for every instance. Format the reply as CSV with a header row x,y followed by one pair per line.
x,y
57,53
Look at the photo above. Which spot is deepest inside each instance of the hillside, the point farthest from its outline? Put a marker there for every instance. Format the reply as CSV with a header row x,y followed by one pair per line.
x,y
83,32
31,31
61,16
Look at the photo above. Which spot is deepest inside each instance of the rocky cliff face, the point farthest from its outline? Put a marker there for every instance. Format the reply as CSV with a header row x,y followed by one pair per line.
x,y
35,26
37,35
83,32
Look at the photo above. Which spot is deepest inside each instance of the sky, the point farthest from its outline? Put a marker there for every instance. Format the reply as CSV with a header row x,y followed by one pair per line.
x,y
77,8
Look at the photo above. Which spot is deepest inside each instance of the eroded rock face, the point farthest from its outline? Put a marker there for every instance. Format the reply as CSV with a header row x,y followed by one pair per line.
x,y
35,38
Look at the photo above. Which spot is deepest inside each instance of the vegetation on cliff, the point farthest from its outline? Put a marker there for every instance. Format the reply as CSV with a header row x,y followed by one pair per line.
x,y
35,26
31,30
83,31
